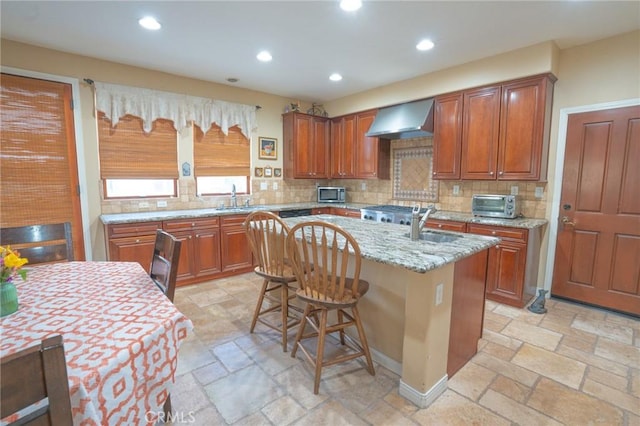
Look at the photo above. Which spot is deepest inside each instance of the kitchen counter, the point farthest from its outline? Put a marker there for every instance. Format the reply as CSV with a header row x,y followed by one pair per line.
x,y
116,218
390,244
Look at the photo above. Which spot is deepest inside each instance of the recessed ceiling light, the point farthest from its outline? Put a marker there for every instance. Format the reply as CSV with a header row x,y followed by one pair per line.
x,y
335,77
350,5
425,45
150,23
264,56
232,80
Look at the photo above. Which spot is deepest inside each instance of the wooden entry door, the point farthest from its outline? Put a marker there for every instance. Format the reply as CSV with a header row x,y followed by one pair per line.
x,y
597,259
38,167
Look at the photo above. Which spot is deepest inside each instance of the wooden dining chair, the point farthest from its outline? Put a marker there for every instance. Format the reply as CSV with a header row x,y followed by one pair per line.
x,y
164,263
34,382
328,287
164,273
40,243
267,235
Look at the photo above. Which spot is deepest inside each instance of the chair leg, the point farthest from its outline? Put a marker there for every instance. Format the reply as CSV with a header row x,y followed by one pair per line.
x,y
303,322
320,351
340,320
256,313
363,341
284,306
166,408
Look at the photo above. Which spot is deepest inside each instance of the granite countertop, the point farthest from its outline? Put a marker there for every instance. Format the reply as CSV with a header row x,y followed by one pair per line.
x,y
116,218
390,244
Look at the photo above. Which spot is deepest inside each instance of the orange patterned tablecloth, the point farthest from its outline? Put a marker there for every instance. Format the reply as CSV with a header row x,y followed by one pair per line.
x,y
121,336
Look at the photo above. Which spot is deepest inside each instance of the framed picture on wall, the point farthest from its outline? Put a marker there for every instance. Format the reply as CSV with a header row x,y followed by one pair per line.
x,y
277,172
267,171
258,172
267,148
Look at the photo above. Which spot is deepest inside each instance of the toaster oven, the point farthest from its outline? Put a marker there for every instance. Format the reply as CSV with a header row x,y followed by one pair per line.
x,y
503,206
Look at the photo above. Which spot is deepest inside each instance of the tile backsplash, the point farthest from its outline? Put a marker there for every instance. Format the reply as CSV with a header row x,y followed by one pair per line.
x,y
369,191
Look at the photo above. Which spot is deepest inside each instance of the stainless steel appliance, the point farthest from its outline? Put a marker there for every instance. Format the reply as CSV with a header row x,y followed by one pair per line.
x,y
332,194
504,206
295,213
389,214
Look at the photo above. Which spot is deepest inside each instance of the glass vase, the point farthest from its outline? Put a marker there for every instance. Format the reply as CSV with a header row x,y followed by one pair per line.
x,y
8,299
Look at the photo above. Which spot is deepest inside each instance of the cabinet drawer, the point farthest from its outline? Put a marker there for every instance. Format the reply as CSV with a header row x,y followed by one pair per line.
x,y
186,224
233,220
447,225
133,229
515,234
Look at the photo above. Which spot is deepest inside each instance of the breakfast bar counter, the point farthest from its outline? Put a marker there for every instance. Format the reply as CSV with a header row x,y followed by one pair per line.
x,y
421,295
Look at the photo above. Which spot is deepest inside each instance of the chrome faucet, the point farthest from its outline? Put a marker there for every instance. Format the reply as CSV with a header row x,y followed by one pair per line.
x,y
234,199
418,223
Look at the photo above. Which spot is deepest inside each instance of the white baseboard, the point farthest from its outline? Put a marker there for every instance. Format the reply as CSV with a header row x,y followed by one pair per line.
x,y
423,400
386,362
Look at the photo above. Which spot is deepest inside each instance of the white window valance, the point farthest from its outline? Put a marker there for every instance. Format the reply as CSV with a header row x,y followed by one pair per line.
x,y
116,101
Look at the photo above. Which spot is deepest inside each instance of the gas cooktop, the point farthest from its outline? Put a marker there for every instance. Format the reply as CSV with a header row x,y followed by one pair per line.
x,y
388,213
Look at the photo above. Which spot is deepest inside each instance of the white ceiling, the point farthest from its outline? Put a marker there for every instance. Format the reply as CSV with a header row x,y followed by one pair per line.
x,y
309,40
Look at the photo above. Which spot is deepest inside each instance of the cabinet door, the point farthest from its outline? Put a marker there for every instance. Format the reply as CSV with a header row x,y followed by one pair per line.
x,y
343,131
133,249
319,160
234,245
447,136
186,266
505,273
524,129
338,211
366,147
207,247
303,149
480,131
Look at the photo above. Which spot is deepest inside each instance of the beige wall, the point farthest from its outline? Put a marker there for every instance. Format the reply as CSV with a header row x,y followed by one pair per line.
x,y
603,71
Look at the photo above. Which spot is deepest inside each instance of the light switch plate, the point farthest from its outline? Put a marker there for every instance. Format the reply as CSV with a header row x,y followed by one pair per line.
x,y
264,186
539,192
456,189
161,204
439,290
363,186
514,190
275,185
143,205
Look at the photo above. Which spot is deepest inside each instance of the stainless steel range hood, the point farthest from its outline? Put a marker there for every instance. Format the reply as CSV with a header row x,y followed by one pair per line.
x,y
410,120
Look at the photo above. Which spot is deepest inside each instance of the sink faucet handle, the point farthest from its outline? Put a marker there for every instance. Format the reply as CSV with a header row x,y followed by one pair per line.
x,y
246,202
416,209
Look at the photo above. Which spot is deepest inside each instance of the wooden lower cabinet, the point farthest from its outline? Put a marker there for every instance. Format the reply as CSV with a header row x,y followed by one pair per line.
x,y
200,250
508,279
132,242
446,225
467,310
236,251
212,247
340,211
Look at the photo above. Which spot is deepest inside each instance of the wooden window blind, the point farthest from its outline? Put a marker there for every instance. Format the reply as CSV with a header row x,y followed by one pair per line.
x,y
38,179
127,152
217,154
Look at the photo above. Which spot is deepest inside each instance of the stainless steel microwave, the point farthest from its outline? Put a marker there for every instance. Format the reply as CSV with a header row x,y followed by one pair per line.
x,y
332,194
505,206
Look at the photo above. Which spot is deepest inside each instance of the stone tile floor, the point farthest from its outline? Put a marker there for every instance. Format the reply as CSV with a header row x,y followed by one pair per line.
x,y
574,365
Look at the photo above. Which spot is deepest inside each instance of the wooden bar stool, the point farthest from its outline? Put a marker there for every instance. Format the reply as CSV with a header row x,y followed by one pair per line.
x,y
267,235
326,287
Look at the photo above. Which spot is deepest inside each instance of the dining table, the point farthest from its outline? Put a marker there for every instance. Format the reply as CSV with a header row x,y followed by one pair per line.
x,y
121,336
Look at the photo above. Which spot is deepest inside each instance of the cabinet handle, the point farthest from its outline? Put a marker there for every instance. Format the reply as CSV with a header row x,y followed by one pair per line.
x,y
440,226
566,221
434,173
493,232
137,241
193,224
490,173
189,237
197,236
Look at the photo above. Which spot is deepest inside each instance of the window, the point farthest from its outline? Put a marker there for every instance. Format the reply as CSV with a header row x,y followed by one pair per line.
x,y
138,164
221,161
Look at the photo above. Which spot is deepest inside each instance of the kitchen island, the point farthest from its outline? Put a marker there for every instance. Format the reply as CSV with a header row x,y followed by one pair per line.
x,y
418,304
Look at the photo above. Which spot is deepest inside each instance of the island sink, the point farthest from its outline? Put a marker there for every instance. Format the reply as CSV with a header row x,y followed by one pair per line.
x,y
436,237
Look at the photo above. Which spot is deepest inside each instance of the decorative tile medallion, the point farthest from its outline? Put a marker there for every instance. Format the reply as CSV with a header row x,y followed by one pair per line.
x,y
412,171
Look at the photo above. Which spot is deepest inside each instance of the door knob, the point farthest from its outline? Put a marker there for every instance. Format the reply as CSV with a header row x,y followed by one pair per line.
x,y
566,221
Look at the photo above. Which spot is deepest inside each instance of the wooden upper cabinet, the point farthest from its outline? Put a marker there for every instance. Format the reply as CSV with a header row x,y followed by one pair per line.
x,y
373,155
525,118
306,146
343,135
480,131
447,136
494,132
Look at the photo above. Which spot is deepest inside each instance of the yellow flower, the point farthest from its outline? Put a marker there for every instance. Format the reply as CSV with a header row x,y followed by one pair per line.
x,y
11,265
